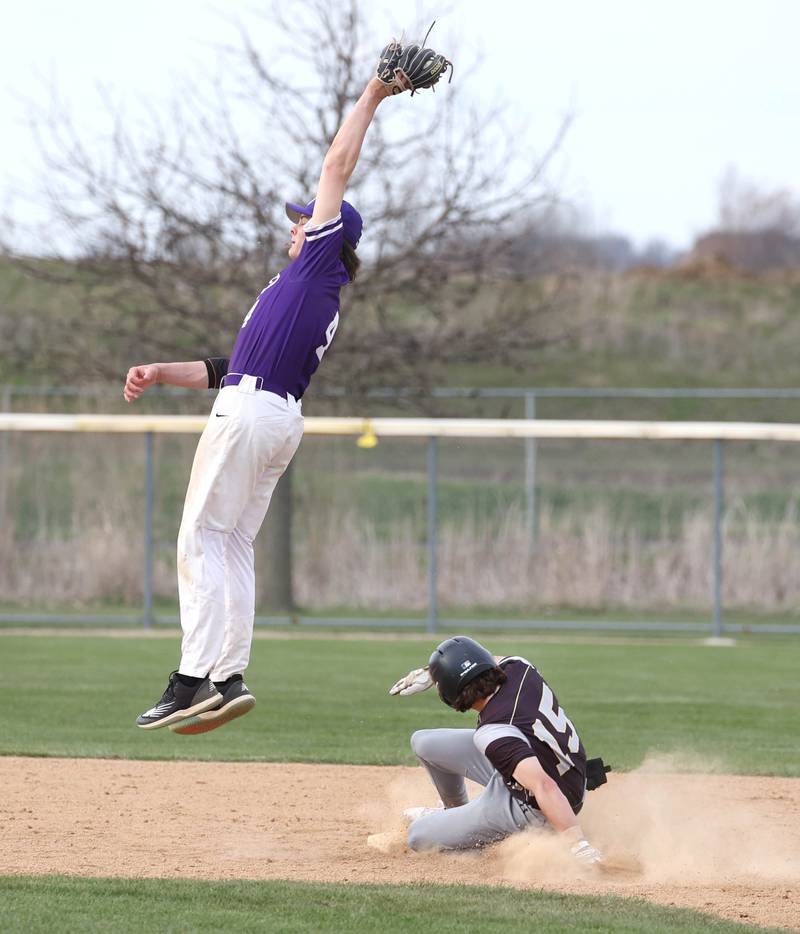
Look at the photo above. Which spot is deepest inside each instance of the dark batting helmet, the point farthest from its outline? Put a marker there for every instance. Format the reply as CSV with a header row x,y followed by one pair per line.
x,y
455,663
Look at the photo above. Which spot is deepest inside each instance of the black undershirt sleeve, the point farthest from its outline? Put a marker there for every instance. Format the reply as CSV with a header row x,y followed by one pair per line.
x,y
506,754
217,369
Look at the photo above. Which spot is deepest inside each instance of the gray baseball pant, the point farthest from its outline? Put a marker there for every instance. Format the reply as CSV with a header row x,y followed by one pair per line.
x,y
450,756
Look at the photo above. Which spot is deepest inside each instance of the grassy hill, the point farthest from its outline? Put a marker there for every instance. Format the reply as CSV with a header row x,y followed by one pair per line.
x,y
674,329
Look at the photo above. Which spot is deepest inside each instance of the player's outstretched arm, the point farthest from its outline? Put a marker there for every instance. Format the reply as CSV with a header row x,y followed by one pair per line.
x,y
345,149
193,375
419,680
398,69
556,808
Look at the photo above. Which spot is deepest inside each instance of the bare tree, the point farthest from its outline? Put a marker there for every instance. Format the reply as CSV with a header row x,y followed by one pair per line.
x,y
170,239
747,206
758,228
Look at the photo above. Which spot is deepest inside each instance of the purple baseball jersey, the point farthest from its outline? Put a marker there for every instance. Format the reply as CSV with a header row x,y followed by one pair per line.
x,y
524,719
292,322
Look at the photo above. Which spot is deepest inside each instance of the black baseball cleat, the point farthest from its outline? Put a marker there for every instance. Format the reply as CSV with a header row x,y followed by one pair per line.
x,y
236,701
179,702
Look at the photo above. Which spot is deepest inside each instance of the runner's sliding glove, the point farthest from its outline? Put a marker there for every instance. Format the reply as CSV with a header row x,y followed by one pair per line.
x,y
586,854
415,681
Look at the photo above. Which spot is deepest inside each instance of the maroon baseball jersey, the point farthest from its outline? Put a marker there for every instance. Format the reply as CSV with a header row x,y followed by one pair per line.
x,y
523,719
293,320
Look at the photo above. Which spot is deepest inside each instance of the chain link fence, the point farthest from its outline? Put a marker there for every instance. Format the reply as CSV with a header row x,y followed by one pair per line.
x,y
421,532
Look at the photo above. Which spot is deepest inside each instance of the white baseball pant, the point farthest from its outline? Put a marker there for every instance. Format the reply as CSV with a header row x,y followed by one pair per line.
x,y
247,444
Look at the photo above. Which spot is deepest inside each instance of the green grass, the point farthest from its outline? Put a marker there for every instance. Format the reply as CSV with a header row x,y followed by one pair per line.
x,y
67,904
124,615
326,700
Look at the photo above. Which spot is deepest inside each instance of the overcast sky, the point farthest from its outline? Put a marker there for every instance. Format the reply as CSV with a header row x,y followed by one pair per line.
x,y
666,93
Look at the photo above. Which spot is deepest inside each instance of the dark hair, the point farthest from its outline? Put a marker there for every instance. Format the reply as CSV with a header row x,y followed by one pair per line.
x,y
350,260
483,686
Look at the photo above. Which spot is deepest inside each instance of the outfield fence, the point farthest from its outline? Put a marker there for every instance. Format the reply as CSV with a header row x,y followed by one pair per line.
x,y
367,432
530,400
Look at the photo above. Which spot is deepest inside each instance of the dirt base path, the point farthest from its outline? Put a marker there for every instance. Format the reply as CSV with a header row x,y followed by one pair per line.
x,y
723,844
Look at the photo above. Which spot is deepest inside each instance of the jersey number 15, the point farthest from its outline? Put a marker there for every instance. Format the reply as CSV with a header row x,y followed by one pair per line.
x,y
560,724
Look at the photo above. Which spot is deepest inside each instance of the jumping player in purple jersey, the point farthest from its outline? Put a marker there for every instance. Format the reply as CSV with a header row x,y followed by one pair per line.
x,y
525,751
256,423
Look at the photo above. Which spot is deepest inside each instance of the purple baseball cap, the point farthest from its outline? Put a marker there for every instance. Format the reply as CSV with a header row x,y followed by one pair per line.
x,y
351,219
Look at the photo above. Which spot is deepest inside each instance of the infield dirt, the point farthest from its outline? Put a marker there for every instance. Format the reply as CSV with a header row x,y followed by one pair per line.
x,y
719,843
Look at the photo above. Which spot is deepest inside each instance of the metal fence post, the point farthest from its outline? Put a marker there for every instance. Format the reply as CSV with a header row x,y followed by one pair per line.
x,y
530,470
275,549
5,406
433,568
719,511
147,611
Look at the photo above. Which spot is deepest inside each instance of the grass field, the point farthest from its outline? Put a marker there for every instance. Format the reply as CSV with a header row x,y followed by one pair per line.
x,y
326,700
40,614
129,907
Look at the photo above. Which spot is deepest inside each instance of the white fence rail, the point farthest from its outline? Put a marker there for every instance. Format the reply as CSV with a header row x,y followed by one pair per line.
x,y
716,433
427,427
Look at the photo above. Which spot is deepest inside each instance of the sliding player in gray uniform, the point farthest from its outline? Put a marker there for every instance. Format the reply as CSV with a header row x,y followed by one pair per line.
x,y
525,751
254,430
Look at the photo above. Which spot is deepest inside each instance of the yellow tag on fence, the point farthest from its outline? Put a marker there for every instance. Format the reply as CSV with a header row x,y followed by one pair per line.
x,y
368,438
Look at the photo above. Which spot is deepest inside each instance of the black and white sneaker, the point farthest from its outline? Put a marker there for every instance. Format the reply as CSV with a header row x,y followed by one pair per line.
x,y
236,701
179,702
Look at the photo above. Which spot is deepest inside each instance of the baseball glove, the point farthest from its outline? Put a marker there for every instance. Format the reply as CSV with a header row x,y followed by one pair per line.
x,y
387,66
412,67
